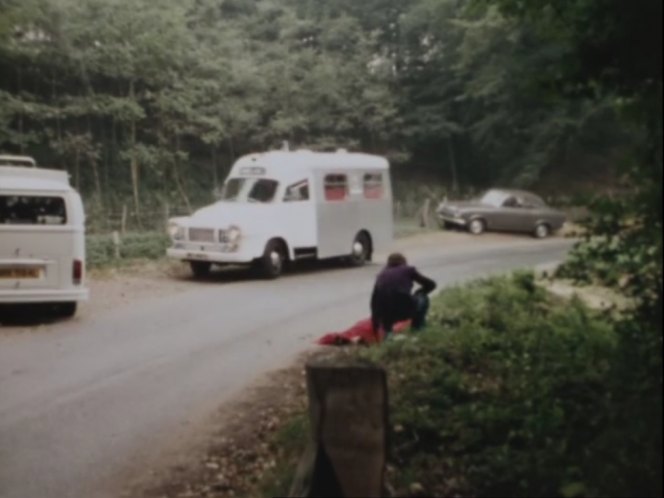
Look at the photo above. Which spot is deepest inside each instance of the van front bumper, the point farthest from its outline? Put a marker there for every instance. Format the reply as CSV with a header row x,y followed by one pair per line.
x,y
43,295
209,256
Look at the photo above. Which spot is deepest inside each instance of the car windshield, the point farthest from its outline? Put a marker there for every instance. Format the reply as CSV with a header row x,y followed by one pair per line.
x,y
494,198
249,190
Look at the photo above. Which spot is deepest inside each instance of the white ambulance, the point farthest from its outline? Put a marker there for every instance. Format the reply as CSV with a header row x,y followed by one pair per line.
x,y
281,206
42,237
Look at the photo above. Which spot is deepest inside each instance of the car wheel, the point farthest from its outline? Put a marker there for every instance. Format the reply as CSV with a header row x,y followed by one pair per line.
x,y
66,310
360,250
200,268
542,231
476,226
273,260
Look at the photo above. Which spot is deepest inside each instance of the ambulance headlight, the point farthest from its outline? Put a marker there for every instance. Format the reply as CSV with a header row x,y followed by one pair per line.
x,y
234,234
175,231
231,235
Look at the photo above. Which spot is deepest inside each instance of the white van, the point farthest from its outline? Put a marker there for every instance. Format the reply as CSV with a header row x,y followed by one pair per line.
x,y
281,206
42,237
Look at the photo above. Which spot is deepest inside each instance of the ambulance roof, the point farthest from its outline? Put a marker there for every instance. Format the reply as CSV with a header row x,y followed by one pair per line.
x,y
33,179
309,160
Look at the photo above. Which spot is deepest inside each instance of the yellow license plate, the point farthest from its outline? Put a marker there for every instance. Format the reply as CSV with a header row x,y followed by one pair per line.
x,y
19,272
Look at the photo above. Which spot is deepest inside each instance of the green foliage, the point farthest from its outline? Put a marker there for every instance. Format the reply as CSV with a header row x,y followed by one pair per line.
x,y
615,51
288,444
101,250
624,243
153,100
511,392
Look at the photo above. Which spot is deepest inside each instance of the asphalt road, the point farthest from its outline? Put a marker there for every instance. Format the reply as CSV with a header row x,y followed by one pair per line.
x,y
86,401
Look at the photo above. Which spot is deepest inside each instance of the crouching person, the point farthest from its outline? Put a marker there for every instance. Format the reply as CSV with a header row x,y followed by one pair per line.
x,y
392,299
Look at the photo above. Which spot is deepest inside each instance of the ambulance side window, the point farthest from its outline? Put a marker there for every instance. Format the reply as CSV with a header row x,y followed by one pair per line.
x,y
336,187
373,186
297,192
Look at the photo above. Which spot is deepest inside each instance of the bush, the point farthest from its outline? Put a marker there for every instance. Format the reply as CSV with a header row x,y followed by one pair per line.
x,y
513,392
146,245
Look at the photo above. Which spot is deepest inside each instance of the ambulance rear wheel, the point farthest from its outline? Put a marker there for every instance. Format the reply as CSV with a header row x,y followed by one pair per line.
x,y
360,250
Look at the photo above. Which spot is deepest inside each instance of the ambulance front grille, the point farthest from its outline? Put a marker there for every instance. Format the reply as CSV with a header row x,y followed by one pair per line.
x,y
201,234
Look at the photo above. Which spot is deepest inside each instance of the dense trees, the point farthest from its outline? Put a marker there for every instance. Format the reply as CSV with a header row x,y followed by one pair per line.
x,y
613,54
151,100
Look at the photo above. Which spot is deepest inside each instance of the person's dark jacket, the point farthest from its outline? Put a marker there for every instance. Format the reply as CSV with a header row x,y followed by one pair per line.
x,y
391,299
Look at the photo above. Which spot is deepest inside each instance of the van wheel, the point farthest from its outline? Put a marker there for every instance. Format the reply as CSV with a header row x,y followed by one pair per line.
x,y
360,250
66,310
200,268
274,258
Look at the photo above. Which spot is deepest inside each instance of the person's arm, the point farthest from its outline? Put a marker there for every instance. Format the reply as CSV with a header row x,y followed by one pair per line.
x,y
427,285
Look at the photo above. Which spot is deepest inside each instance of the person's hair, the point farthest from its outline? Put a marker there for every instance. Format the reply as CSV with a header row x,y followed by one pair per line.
x,y
396,259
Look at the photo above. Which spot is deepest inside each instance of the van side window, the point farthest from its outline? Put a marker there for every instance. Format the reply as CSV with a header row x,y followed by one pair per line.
x,y
297,192
32,210
336,187
373,185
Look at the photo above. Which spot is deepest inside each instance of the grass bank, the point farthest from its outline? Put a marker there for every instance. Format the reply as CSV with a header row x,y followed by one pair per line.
x,y
102,251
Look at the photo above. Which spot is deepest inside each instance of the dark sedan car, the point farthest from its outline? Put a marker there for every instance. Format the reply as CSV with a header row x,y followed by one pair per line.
x,y
500,209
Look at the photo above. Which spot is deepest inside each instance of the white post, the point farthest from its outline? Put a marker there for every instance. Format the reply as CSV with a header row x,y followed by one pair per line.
x,y
116,244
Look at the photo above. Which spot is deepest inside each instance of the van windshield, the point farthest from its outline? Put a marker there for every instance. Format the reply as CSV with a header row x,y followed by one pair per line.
x,y
32,210
249,190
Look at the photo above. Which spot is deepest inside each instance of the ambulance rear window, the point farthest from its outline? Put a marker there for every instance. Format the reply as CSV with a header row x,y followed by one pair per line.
x,y
32,210
373,186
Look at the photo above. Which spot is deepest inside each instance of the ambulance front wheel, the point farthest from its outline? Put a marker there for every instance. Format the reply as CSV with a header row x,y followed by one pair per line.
x,y
200,269
274,259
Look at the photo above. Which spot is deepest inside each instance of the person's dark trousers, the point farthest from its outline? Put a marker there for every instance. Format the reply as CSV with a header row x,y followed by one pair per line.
x,y
388,308
421,301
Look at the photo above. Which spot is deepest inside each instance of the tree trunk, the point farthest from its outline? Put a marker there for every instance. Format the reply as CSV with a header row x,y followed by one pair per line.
x,y
176,174
453,165
133,163
77,168
424,214
93,164
97,177
231,150
215,173
19,81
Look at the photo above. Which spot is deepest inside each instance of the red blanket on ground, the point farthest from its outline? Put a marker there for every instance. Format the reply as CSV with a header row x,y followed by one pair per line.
x,y
362,332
